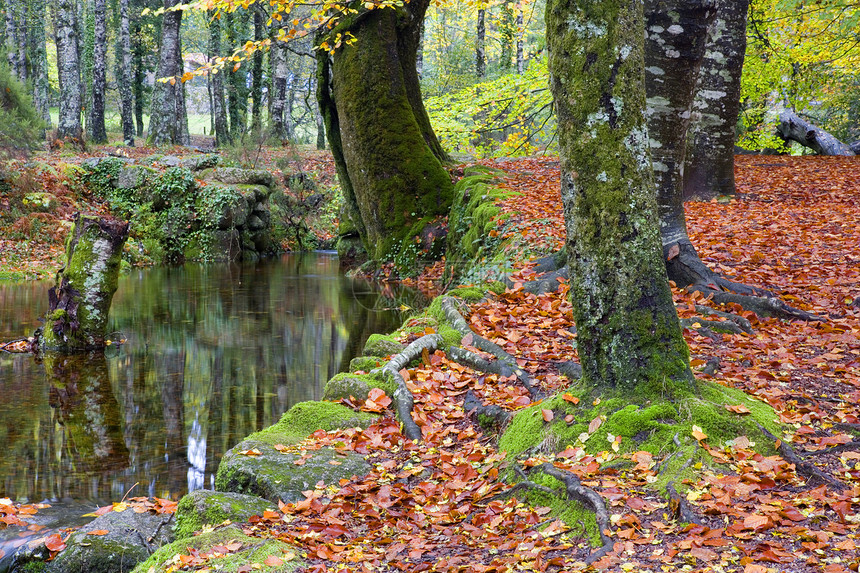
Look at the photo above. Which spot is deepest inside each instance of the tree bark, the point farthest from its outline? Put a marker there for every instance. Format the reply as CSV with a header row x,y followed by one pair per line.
x,y
676,31
257,73
40,65
12,7
69,123
480,45
278,55
237,96
794,128
389,160
123,75
219,107
709,168
96,119
628,334
167,108
520,32
80,301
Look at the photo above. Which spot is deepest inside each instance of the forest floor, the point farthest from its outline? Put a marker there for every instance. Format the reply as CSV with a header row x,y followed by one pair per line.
x,y
795,229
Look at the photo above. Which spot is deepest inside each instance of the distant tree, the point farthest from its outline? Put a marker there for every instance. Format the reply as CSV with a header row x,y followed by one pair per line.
x,y
480,44
68,66
124,74
39,61
257,71
96,120
168,121
219,106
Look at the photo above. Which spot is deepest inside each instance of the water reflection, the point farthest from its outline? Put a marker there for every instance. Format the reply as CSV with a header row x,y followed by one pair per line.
x,y
213,353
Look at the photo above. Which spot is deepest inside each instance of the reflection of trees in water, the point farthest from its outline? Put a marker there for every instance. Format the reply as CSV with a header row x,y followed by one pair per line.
x,y
227,347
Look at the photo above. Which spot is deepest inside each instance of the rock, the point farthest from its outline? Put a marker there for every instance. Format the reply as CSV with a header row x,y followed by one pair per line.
x,y
198,162
365,363
134,176
94,161
206,507
251,553
382,346
130,539
237,176
274,475
255,223
170,161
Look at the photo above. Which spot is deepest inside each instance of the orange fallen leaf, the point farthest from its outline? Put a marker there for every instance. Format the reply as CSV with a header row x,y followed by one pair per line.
x,y
547,415
98,532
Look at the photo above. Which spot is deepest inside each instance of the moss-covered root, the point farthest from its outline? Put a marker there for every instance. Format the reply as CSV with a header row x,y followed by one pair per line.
x,y
79,303
403,399
587,496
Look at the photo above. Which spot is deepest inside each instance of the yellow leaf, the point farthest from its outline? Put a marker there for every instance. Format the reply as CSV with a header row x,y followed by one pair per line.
x,y
698,433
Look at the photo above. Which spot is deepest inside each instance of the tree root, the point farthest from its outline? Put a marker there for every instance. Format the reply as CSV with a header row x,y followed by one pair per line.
x,y
678,504
813,474
853,428
740,321
855,445
766,306
499,416
460,325
586,496
712,326
403,398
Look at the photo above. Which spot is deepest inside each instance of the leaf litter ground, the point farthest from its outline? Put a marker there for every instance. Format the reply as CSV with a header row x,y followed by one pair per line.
x,y
440,505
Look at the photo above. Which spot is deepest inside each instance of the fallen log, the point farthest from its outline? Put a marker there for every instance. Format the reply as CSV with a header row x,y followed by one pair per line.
x,y
794,128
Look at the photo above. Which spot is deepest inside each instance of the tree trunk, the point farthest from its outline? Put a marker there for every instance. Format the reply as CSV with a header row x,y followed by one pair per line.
x,y
96,120
138,53
508,33
628,334
257,73
69,123
278,55
123,75
480,46
709,168
80,301
219,107
237,93
12,7
167,102
389,160
40,65
520,31
794,128
674,48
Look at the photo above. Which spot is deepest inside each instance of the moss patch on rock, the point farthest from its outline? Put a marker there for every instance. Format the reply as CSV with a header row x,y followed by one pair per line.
x,y
382,345
206,507
305,418
358,386
254,552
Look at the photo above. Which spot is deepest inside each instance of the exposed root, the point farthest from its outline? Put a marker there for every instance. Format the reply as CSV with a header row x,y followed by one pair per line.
x,y
460,325
711,326
853,428
762,306
685,268
740,321
854,445
807,469
678,504
403,399
498,415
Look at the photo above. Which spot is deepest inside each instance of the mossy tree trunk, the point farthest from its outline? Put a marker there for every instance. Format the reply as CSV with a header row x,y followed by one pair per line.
x,y
80,301
168,120
628,333
389,160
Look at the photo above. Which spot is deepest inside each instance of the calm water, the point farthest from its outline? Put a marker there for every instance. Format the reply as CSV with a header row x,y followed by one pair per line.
x,y
214,353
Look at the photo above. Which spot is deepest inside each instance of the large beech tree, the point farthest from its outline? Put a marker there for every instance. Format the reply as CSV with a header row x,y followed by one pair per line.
x,y
389,161
628,333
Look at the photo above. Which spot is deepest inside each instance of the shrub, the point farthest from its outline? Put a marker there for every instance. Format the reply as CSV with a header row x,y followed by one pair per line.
x,y
20,124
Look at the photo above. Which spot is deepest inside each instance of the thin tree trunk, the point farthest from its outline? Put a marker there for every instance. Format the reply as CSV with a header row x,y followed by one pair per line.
x,y
219,107
69,124
167,103
794,128
257,73
139,75
628,333
12,36
480,45
278,55
23,6
40,65
709,168
123,75
520,32
96,121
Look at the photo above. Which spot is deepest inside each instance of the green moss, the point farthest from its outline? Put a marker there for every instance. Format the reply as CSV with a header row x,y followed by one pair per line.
x,y
573,513
204,507
364,363
469,294
382,345
254,552
305,418
358,386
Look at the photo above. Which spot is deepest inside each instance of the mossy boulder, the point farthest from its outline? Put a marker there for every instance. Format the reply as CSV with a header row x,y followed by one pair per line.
x,y
253,551
257,468
238,176
135,176
131,538
365,363
382,345
358,386
206,507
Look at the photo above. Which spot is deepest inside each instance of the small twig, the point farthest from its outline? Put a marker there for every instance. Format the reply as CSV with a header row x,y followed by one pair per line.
x,y
804,468
587,496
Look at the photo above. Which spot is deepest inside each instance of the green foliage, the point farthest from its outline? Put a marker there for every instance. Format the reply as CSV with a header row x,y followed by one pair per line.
x,y
20,124
509,116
